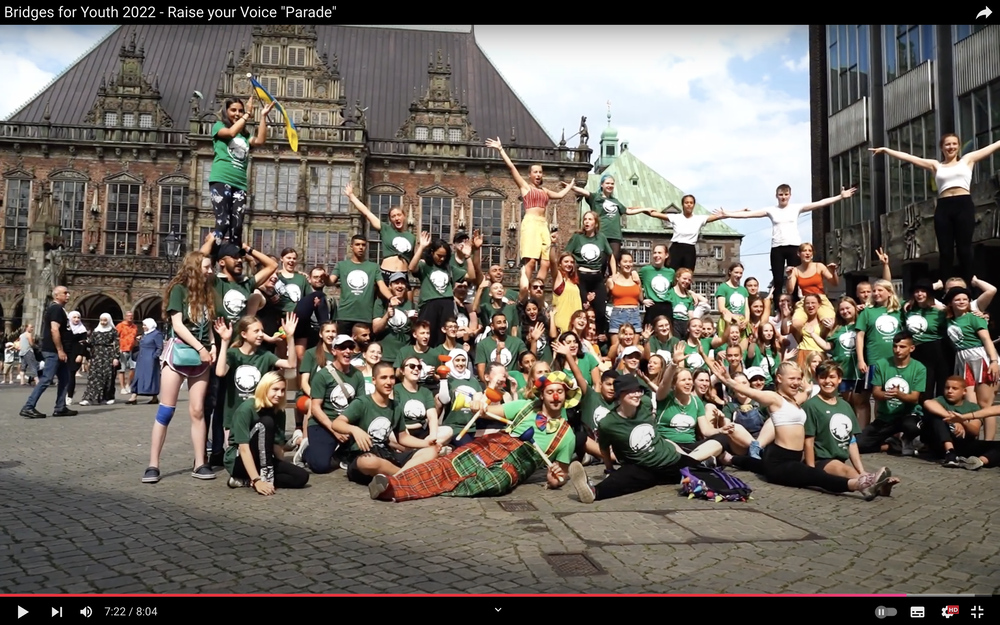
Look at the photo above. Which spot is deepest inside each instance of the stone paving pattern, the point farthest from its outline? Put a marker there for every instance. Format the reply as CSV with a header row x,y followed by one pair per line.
x,y
74,518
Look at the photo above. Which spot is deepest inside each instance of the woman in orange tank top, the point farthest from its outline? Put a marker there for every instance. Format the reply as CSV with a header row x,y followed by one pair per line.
x,y
808,279
625,291
536,240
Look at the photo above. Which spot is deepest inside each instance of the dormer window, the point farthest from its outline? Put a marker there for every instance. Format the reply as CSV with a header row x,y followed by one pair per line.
x,y
610,151
635,180
296,56
270,55
110,119
454,135
295,88
421,133
128,120
439,134
145,120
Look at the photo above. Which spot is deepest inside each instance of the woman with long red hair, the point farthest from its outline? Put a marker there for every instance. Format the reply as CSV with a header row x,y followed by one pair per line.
x,y
565,289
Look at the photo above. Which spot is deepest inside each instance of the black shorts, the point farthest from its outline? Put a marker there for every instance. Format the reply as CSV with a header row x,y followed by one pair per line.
x,y
347,327
854,386
398,458
822,462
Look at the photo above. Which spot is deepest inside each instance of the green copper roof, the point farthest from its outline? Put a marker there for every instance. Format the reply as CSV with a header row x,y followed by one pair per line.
x,y
650,191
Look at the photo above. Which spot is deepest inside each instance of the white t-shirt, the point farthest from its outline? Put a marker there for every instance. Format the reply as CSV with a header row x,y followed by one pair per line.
x,y
784,224
686,229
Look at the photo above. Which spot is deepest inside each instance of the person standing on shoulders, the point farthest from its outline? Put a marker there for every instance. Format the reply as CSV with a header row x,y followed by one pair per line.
x,y
55,326
609,210
687,228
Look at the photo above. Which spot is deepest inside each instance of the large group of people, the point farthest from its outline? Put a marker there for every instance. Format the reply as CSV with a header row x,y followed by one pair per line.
x,y
430,376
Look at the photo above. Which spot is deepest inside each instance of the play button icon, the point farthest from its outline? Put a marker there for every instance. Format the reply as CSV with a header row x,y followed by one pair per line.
x,y
21,611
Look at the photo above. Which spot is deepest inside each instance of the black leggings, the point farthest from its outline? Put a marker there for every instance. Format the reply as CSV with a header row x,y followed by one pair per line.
x,y
873,436
74,367
683,256
284,474
934,432
436,311
229,204
954,222
594,283
632,478
939,362
784,467
781,257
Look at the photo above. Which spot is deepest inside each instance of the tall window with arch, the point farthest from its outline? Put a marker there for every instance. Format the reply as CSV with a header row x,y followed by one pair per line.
x,y
121,228
435,216
17,203
69,197
380,204
172,216
487,217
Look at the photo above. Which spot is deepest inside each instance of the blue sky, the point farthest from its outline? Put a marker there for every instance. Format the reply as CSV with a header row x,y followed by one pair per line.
x,y
722,112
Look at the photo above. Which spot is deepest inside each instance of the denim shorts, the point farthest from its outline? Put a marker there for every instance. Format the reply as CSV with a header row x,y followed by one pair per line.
x,y
621,316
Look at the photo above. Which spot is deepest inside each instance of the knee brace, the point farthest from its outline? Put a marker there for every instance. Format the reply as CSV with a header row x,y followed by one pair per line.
x,y
164,414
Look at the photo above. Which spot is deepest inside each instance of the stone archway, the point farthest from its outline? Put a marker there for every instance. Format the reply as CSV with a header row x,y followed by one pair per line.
x,y
150,307
94,305
12,323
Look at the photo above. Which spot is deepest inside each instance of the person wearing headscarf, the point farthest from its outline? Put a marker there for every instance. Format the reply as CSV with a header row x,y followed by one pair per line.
x,y
104,352
147,371
460,382
77,344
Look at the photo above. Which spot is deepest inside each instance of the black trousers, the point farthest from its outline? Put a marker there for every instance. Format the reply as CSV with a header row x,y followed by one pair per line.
x,y
934,432
954,223
781,257
939,362
785,467
229,204
683,256
280,473
658,309
594,283
74,367
632,478
215,405
436,311
873,436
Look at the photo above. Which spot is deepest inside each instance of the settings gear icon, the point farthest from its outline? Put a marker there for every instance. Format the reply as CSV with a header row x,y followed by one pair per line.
x,y
946,613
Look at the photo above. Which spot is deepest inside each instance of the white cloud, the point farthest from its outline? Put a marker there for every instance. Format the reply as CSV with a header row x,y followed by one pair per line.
x,y
27,79
802,65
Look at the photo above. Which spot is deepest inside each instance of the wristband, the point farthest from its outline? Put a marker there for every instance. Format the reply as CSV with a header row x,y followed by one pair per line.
x,y
254,481
201,348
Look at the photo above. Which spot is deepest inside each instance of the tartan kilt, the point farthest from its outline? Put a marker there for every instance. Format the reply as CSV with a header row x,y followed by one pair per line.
x,y
489,466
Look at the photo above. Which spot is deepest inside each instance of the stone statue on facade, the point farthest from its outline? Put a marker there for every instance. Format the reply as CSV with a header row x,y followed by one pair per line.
x,y
584,133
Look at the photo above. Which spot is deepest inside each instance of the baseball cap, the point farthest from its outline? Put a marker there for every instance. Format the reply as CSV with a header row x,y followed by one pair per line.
x,y
631,350
398,275
754,372
230,250
342,340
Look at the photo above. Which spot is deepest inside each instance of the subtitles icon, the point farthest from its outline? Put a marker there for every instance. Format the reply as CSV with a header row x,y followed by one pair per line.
x,y
949,611
917,611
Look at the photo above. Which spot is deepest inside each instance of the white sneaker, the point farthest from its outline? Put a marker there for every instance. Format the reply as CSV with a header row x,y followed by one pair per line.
x,y
295,440
125,391
297,458
85,403
109,402
69,401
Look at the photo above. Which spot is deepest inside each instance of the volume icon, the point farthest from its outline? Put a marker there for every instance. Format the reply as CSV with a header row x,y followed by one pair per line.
x,y
87,612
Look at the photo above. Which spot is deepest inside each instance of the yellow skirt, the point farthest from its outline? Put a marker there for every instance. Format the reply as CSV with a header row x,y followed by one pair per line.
x,y
536,240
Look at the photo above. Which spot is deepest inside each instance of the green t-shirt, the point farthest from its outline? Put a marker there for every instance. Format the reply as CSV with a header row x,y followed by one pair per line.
x,y
458,418
636,441
879,326
912,377
413,406
377,421
682,305
177,301
437,283
766,359
663,348
244,374
678,422
358,290
308,365
590,252
231,297
693,359
428,358
232,157
656,283
291,290
543,438
396,243
966,407
586,363
843,344
487,310
736,298
245,417
398,330
962,332
925,324
335,398
833,426
487,352
593,408
609,210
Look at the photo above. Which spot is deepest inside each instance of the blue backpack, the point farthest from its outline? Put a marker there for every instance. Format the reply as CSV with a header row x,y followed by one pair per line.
x,y
713,485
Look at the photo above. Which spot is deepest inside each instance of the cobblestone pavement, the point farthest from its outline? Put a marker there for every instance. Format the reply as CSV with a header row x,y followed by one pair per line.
x,y
76,519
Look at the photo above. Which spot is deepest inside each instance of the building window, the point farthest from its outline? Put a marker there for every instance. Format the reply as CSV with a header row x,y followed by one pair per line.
x,y
128,120
69,197
849,61
271,242
296,115
438,134
16,205
326,188
204,173
610,151
296,56
909,183
454,135
487,217
121,230
717,252
145,120
276,186
270,55
421,134
639,250
295,88
319,118
979,126
270,83
906,47
961,32
380,206
706,289
110,119
852,169
326,249
435,217
172,217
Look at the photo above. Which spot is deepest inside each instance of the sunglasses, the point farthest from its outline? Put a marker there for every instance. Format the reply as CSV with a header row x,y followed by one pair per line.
x,y
411,366
538,286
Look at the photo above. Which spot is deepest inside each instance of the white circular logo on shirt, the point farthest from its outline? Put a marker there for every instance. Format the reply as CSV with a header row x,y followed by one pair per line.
x,y
238,149
840,427
293,292
899,385
736,302
246,378
642,437
848,340
610,208
414,410
916,324
398,320
590,252
502,356
682,423
401,245
369,387
887,325
234,302
358,281
660,285
599,414
337,397
680,311
463,320
379,429
439,280
695,361
540,345
955,334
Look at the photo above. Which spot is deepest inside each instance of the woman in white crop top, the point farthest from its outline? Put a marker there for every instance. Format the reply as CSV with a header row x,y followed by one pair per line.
x,y
687,228
782,463
955,216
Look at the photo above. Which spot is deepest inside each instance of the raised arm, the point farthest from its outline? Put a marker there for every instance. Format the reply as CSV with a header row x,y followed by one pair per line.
x,y
977,155
225,332
984,300
746,213
261,137
267,265
522,185
844,194
422,244
770,399
558,195
580,191
289,325
884,259
719,214
924,163
362,208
